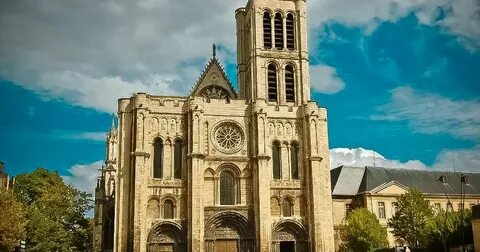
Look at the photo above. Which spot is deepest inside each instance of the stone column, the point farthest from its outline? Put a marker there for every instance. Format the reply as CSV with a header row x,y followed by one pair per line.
x,y
195,179
318,179
261,181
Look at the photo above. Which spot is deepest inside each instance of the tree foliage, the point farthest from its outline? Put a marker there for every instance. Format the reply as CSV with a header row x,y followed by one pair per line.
x,y
363,232
445,229
55,211
12,221
410,220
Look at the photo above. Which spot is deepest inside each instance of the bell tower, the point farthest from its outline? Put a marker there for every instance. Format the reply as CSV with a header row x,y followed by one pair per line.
x,y
272,52
288,132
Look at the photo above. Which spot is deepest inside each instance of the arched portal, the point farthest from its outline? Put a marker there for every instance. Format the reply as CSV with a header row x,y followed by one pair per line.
x,y
228,232
289,236
166,236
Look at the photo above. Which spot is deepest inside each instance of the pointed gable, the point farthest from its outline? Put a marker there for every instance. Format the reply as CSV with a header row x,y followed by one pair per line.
x,y
213,83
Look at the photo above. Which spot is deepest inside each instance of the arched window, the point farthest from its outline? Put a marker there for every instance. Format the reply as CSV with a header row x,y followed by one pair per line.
x,y
290,32
278,24
267,30
272,83
289,84
276,155
286,208
294,160
227,188
157,158
168,209
178,159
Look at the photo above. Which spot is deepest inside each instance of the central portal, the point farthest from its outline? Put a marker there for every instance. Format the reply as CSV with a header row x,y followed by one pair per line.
x,y
226,246
287,246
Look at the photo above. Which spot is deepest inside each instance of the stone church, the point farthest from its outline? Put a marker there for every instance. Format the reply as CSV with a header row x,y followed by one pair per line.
x,y
223,170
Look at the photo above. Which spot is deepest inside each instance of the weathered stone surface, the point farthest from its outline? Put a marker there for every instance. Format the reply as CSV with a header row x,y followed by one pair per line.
x,y
227,190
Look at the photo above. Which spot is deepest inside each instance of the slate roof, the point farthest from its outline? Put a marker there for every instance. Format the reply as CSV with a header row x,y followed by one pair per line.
x,y
355,180
346,181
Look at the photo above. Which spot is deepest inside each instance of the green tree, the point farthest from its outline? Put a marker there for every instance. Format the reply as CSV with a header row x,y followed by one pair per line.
x,y
445,229
363,232
440,227
55,212
410,221
12,221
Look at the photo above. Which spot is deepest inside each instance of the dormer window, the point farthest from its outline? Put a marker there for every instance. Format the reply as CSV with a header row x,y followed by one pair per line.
x,y
443,179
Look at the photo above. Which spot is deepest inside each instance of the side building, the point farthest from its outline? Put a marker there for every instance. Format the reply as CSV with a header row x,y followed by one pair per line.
x,y
376,189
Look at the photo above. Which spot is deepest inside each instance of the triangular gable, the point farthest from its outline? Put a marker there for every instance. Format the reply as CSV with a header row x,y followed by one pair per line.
x,y
213,82
392,187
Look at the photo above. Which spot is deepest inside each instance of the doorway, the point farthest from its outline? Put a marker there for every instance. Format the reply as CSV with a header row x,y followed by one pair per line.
x,y
287,246
226,246
161,248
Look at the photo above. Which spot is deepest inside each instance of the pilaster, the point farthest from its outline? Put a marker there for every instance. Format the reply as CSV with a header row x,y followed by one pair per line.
x,y
318,179
196,158
261,183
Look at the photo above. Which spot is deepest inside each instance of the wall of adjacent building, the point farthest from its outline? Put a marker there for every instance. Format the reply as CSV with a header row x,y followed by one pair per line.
x,y
371,203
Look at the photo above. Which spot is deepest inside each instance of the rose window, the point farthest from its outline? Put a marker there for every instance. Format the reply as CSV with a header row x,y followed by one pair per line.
x,y
228,137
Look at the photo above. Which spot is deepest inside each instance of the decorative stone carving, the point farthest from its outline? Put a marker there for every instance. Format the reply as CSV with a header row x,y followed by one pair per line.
x,y
228,137
214,92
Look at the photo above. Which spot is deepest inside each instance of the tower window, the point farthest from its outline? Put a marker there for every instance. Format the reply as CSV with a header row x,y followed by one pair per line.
x,y
278,24
272,83
267,30
276,155
289,84
290,32
294,160
168,209
286,208
227,188
178,159
157,158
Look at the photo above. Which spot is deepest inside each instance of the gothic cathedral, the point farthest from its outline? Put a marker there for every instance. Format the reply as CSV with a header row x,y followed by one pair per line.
x,y
224,170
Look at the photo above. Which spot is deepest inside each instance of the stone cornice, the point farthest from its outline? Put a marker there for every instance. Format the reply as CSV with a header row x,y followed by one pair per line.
x,y
139,153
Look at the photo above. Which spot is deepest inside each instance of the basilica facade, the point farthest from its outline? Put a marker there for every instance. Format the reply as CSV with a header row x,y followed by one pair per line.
x,y
222,169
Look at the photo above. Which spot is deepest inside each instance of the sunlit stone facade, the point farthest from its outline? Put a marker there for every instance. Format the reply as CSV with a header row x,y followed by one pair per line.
x,y
226,170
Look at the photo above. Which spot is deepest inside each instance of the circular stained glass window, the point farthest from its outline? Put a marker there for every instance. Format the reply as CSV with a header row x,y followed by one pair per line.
x,y
228,137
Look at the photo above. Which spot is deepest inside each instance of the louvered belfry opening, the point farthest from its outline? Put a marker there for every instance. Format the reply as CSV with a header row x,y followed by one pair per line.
x,y
272,83
278,24
289,84
267,30
290,32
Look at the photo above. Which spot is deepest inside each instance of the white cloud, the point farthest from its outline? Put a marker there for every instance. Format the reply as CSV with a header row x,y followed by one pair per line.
x,y
430,113
464,160
467,160
461,17
90,53
324,79
100,93
84,176
75,135
362,157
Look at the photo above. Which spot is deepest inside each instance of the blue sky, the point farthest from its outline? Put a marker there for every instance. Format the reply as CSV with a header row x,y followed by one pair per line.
x,y
400,79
